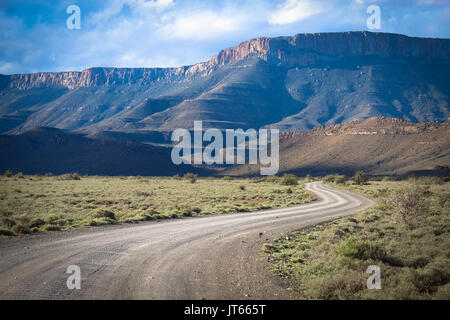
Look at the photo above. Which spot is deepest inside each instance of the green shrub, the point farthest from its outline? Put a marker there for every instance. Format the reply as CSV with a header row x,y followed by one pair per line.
x,y
7,222
151,212
22,219
52,219
336,178
186,211
329,178
443,292
191,177
442,200
362,250
105,214
20,228
70,176
288,180
196,210
409,204
162,217
8,173
381,193
101,221
273,179
430,180
75,176
428,278
36,223
50,227
339,179
360,178
4,232
146,217
5,213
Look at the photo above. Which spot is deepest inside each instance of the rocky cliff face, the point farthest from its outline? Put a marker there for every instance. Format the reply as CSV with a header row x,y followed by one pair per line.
x,y
373,44
298,50
92,77
290,50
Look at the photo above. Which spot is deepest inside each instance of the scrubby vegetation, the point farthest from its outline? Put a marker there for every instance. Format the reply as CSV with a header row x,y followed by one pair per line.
x,y
411,204
31,204
407,235
360,178
288,180
8,173
336,178
191,177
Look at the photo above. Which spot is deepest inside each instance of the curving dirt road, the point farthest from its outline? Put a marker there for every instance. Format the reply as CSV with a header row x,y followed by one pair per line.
x,y
213,257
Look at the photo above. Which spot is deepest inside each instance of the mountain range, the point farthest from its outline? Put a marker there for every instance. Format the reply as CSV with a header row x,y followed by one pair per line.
x,y
293,83
344,102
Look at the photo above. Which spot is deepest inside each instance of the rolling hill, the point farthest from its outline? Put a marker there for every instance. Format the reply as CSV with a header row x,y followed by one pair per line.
x,y
376,146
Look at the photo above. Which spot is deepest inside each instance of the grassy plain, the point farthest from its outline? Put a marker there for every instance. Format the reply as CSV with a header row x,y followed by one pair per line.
x,y
329,261
31,204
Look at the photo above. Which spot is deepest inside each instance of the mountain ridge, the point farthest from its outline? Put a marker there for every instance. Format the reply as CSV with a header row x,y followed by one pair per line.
x,y
388,45
292,83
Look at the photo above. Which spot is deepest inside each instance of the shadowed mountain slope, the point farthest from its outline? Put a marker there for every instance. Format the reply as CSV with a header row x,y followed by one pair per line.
x,y
43,150
378,145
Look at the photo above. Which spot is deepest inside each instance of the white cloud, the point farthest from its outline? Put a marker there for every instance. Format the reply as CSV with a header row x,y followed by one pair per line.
x,y
138,7
294,10
159,4
171,33
201,25
432,2
7,68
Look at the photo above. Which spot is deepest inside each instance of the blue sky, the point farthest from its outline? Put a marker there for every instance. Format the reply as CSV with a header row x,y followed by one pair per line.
x,y
160,33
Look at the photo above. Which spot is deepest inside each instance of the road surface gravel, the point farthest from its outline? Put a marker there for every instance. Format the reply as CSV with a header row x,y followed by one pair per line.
x,y
210,257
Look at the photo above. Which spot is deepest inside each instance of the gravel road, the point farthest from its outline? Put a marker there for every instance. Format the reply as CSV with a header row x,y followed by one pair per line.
x,y
211,257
